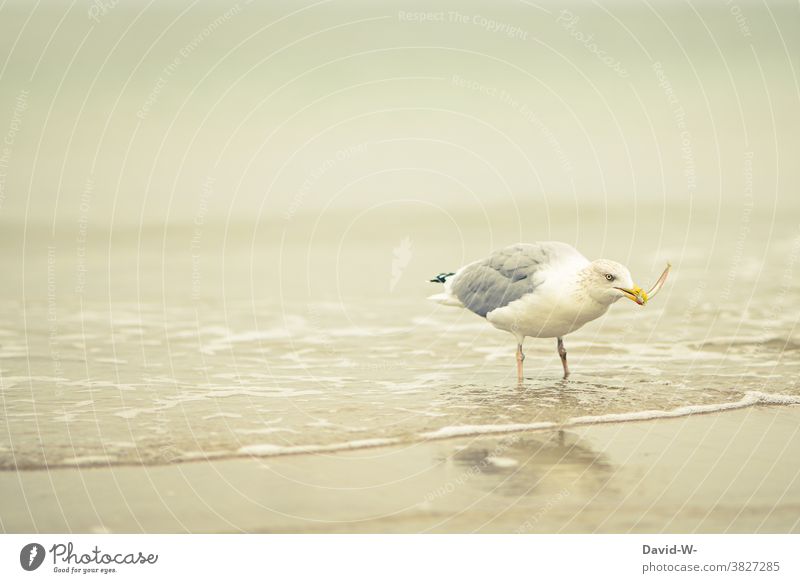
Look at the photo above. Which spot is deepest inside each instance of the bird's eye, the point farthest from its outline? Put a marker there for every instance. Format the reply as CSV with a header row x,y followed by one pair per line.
x,y
610,277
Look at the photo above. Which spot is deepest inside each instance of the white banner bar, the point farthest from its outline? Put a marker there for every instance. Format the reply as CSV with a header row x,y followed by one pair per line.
x,y
400,558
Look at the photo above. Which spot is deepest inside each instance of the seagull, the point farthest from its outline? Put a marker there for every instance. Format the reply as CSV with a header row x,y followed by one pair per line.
x,y
542,290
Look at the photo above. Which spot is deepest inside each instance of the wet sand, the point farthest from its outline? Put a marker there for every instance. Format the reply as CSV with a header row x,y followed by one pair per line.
x,y
735,471
228,253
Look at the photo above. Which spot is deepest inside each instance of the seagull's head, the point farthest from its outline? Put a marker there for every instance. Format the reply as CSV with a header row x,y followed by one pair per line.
x,y
609,281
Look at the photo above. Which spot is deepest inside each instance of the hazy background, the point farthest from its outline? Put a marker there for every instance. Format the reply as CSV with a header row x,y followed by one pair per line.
x,y
218,221
178,141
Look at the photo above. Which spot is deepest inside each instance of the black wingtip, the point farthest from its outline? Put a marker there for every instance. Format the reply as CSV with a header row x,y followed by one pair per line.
x,y
441,278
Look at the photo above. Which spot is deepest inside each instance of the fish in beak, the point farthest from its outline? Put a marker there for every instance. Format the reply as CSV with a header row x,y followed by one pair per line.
x,y
638,295
635,294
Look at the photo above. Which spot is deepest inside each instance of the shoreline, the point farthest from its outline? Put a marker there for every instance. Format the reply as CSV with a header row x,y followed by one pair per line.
x,y
269,450
732,471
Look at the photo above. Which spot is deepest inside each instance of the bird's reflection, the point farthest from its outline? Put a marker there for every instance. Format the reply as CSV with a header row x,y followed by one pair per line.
x,y
534,464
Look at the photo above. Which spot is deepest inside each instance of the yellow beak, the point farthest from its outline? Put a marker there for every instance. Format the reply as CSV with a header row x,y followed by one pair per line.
x,y
636,294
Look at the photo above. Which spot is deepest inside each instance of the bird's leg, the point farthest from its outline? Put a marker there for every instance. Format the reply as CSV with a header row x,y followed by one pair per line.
x,y
520,358
562,352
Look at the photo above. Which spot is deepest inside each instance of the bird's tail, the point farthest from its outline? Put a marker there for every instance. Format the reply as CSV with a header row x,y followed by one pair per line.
x,y
441,278
446,298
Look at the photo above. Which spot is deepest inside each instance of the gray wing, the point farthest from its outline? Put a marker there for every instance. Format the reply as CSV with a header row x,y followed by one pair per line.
x,y
506,275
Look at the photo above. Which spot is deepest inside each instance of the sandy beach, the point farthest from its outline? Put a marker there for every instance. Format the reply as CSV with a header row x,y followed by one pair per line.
x,y
221,224
720,473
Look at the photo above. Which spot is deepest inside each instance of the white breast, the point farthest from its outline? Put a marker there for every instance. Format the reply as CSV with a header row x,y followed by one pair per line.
x,y
551,310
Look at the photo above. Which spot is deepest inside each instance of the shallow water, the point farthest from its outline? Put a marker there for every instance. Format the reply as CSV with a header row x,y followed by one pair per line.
x,y
220,245
93,381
